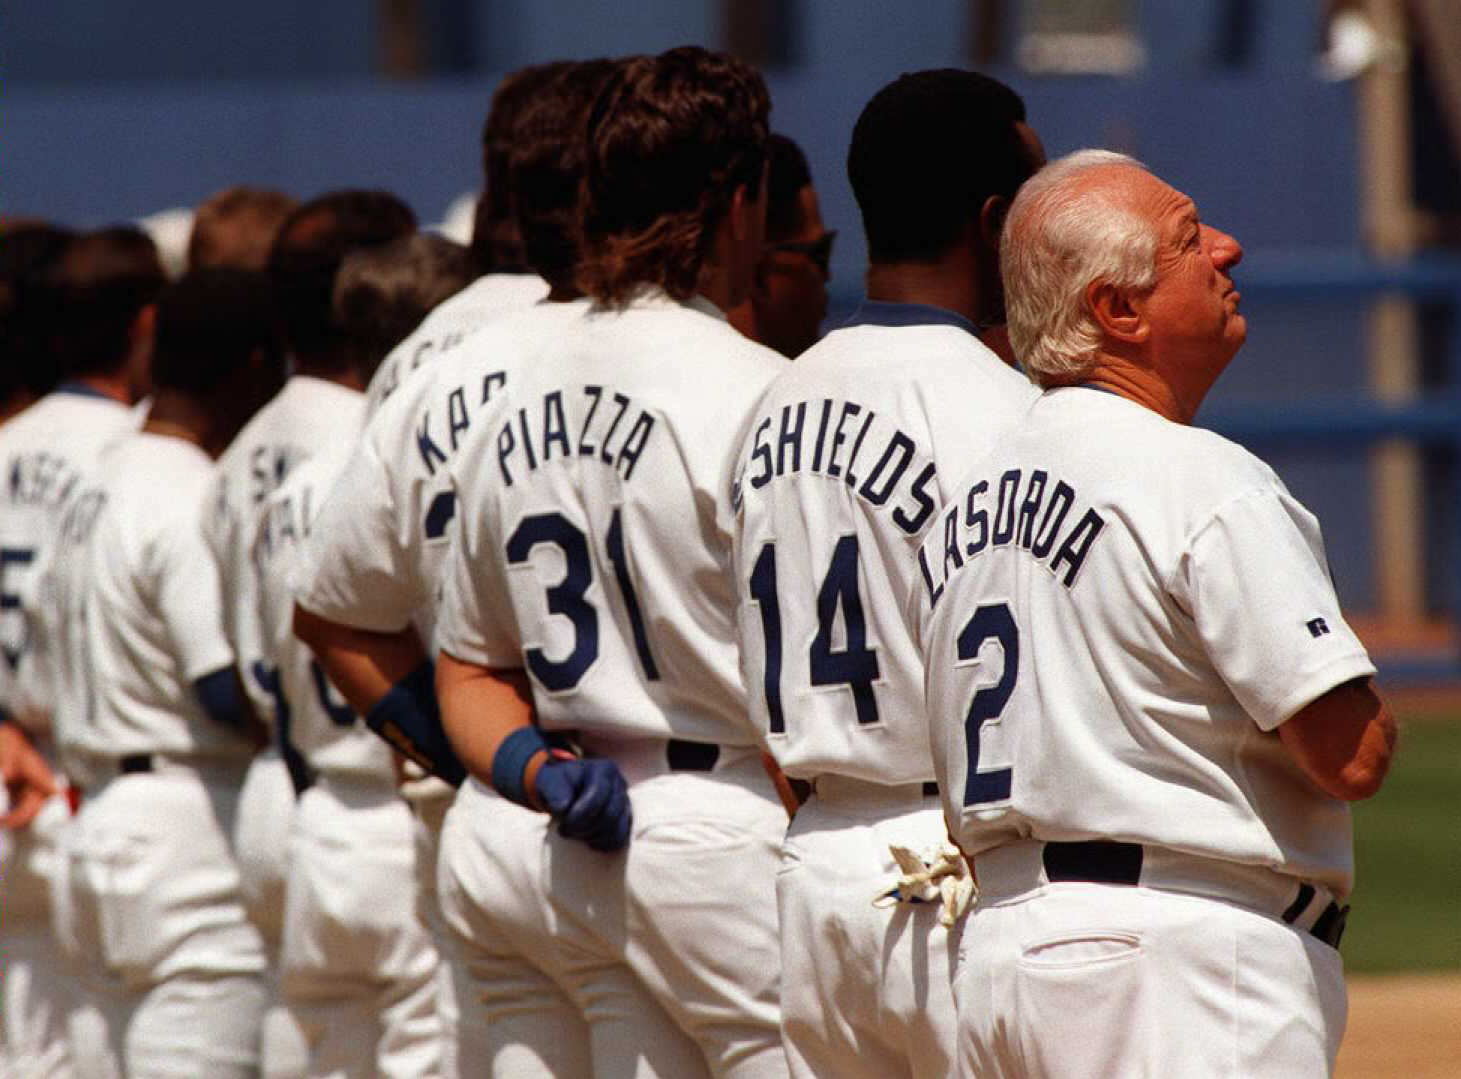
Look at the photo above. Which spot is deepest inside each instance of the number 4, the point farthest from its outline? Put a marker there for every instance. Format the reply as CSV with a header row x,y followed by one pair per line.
x,y
855,665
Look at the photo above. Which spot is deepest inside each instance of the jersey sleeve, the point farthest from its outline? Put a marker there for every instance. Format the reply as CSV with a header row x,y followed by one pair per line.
x,y
357,568
189,593
1255,580
476,623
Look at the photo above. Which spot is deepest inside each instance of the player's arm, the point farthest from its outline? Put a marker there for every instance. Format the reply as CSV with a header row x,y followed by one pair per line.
x,y
1343,741
29,781
488,715
224,699
388,680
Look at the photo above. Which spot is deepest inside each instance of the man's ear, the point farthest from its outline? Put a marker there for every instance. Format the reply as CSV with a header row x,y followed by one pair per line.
x,y
139,351
1114,312
991,221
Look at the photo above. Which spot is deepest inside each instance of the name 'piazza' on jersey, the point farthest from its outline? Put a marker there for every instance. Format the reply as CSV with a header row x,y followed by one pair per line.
x,y
575,508
1111,640
839,479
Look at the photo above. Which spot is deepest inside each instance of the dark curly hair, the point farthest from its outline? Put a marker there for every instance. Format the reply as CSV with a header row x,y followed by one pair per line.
x,y
670,140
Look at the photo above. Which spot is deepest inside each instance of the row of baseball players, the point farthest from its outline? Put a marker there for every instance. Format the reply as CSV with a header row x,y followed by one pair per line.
x,y
1108,661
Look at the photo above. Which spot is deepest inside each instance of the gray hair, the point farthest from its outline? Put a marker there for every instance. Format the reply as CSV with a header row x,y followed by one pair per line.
x,y
1058,239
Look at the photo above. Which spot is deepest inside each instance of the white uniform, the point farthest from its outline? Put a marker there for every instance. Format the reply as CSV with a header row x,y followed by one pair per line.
x,y
838,483
308,415
47,454
373,562
595,550
1123,610
153,899
357,967
487,298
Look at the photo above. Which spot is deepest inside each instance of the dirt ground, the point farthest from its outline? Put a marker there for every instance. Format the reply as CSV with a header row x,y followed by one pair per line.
x,y
1403,1027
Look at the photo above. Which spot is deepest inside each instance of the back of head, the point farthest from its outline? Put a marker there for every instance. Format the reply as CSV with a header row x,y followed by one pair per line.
x,y
787,175
383,293
103,281
495,240
28,308
213,325
547,168
927,152
670,139
236,227
306,255
1063,233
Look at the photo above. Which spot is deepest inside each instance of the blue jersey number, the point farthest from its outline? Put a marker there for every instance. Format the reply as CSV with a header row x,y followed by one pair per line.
x,y
855,665
569,596
992,623
9,601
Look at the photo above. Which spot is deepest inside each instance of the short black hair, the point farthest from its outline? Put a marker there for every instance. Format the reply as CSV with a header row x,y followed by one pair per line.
x,y
307,253
210,325
103,280
786,174
926,153
28,306
548,160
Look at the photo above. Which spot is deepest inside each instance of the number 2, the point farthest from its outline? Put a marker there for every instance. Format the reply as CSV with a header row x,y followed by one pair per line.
x,y
991,623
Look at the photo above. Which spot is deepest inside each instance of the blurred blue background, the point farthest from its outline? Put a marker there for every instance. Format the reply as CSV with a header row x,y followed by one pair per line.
x,y
118,109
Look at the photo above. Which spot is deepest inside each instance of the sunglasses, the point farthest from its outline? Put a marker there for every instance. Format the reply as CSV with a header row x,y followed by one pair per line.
x,y
818,250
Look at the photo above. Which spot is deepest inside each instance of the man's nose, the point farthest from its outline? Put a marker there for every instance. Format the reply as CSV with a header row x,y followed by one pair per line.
x,y
1226,251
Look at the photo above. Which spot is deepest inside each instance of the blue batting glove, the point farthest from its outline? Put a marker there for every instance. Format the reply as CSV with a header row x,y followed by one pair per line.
x,y
589,799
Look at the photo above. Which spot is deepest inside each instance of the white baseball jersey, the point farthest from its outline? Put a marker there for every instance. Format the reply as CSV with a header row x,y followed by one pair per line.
x,y
149,604
485,299
308,415
837,485
594,546
48,453
1117,612
374,560
318,721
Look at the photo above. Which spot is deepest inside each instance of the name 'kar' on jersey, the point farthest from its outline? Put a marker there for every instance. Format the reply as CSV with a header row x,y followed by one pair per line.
x,y
847,461
1117,612
374,561
594,547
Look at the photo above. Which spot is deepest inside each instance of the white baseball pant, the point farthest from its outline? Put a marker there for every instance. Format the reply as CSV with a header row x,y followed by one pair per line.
x,y
1076,979
358,969
173,969
866,991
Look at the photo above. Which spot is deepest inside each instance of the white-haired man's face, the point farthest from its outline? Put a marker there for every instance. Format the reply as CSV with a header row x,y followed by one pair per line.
x,y
1191,314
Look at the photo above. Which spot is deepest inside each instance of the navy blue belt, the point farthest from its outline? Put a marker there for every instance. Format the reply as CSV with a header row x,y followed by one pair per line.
x,y
1107,862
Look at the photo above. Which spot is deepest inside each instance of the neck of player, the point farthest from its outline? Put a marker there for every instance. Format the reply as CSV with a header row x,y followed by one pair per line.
x,y
950,282
176,415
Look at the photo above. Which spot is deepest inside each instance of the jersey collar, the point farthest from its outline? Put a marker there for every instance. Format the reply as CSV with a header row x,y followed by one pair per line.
x,y
882,313
80,389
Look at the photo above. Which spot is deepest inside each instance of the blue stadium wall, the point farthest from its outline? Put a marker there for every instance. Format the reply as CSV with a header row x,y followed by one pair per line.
x,y
110,110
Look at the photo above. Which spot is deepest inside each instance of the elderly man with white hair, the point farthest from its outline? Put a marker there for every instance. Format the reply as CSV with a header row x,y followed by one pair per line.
x,y
1147,711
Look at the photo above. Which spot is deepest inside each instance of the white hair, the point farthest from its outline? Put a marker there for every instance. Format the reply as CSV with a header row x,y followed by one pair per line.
x,y
1059,237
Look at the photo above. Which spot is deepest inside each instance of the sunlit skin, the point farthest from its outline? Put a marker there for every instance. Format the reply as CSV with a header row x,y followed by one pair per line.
x,y
1165,347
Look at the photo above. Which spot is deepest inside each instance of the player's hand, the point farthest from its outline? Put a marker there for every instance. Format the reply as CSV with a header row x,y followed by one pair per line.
x,y
28,779
589,799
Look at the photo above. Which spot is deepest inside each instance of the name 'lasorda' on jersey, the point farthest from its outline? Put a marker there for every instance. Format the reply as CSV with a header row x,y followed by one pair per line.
x,y
1024,508
851,444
